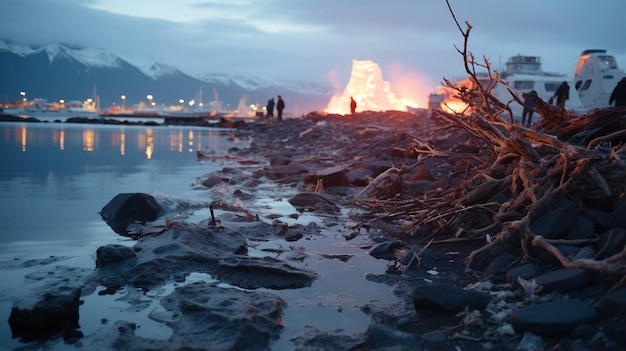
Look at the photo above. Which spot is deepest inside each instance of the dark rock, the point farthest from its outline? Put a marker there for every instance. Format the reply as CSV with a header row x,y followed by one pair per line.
x,y
113,253
334,176
568,250
360,176
125,209
563,280
57,311
585,252
12,118
289,169
583,229
448,298
499,265
526,271
279,160
530,342
557,222
311,202
410,254
610,242
614,303
547,257
292,237
381,335
601,220
617,218
377,166
583,331
212,180
316,339
551,318
253,273
183,247
386,250
435,338
205,316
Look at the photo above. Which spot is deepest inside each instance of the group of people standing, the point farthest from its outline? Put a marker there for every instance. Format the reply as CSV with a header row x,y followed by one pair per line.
x,y
562,93
280,106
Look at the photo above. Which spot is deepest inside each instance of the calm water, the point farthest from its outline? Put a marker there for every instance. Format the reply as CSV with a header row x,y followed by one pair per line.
x,y
54,178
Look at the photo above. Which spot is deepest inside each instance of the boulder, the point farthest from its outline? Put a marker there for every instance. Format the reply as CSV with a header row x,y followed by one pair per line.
x,y
312,202
552,318
154,259
267,272
386,250
563,279
614,303
448,298
360,176
290,168
127,208
208,317
113,253
55,312
583,229
618,217
375,165
525,271
334,176
380,336
557,222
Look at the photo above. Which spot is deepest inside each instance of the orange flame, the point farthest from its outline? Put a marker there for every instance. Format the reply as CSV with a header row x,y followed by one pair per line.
x,y
369,90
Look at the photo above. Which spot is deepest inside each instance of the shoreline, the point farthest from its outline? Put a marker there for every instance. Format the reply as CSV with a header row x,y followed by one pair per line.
x,y
138,121
329,162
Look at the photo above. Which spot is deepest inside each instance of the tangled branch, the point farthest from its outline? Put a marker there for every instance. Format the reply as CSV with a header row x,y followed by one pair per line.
x,y
511,174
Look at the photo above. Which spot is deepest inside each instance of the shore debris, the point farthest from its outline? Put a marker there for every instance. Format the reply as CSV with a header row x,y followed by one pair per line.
x,y
501,176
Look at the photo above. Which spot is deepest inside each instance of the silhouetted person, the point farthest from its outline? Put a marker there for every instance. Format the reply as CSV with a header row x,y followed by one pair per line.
x,y
561,94
352,105
619,94
529,108
270,108
280,106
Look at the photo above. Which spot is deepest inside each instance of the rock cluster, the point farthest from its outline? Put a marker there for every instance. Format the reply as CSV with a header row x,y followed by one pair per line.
x,y
499,303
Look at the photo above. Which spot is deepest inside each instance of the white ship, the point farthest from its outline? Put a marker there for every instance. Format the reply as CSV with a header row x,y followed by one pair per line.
x,y
597,74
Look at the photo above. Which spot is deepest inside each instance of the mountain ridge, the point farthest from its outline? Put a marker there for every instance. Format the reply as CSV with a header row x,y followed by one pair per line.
x,y
60,71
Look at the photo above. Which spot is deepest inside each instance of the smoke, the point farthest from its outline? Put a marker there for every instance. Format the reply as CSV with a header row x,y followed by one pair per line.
x,y
410,84
332,78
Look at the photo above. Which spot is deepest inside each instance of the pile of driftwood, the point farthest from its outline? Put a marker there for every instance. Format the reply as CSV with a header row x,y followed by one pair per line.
x,y
505,175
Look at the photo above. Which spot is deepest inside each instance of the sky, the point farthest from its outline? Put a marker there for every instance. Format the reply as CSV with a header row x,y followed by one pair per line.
x,y
316,40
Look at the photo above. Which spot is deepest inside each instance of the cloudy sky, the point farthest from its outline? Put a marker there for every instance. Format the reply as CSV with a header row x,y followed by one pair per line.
x,y
316,40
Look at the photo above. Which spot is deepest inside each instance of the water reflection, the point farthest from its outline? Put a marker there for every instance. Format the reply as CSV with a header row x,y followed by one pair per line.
x,y
145,138
56,177
88,140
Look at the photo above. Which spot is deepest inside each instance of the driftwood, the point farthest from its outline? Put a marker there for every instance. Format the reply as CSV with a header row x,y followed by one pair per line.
x,y
506,175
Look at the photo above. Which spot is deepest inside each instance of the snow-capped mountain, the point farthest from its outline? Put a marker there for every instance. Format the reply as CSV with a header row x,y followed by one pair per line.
x,y
257,83
90,57
60,71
